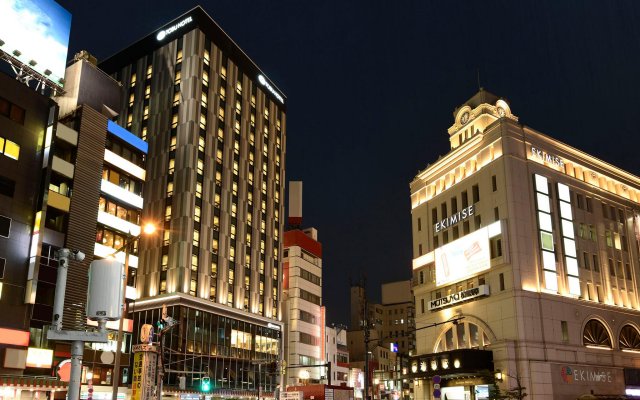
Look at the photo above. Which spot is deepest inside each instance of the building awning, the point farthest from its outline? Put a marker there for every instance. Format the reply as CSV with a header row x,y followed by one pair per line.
x,y
33,383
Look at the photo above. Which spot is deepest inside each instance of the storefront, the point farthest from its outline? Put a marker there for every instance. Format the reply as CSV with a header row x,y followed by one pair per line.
x,y
464,374
26,387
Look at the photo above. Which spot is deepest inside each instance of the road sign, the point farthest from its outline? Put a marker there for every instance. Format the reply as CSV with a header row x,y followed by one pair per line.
x,y
437,379
437,393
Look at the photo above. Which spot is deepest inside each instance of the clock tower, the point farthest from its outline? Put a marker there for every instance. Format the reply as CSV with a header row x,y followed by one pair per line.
x,y
475,115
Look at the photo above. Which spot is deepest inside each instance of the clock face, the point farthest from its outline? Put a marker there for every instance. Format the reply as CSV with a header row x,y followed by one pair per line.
x,y
501,112
464,118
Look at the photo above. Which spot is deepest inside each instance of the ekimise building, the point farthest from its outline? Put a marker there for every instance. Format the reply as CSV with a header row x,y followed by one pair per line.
x,y
530,248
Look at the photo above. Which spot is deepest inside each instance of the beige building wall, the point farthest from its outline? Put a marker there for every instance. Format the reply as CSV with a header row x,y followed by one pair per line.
x,y
535,331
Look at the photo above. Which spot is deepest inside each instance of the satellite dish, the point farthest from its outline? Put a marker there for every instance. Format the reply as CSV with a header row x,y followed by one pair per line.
x,y
107,357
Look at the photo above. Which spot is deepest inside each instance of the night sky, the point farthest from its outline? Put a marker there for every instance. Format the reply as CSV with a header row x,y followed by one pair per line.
x,y
372,85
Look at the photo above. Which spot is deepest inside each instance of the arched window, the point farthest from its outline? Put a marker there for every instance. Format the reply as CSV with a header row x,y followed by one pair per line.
x,y
464,335
629,338
595,334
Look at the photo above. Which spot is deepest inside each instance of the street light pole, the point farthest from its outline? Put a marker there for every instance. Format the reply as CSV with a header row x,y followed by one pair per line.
x,y
148,229
116,368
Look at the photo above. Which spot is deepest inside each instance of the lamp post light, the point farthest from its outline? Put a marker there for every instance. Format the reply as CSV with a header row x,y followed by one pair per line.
x,y
148,229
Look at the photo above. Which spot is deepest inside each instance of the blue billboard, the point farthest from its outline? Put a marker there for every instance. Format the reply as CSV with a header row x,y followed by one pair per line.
x,y
36,32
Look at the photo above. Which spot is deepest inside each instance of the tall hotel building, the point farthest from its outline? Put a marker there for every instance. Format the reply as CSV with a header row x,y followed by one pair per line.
x,y
529,248
216,131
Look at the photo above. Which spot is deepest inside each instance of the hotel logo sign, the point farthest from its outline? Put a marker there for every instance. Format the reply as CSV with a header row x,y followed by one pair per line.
x,y
263,81
163,33
454,298
572,374
455,218
546,157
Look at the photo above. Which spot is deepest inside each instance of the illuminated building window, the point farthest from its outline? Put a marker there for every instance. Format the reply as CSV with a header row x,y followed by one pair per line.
x,y
250,198
629,339
9,148
220,133
236,127
595,334
179,56
253,100
221,113
132,97
234,189
239,87
166,237
247,262
174,120
261,288
249,218
165,262
218,178
206,57
223,72
192,287
176,98
163,286
145,113
196,214
230,298
194,261
223,93
169,189
203,121
266,113
212,292
173,142
205,78
147,92
133,80
149,71
463,336
178,78
214,246
235,167
216,200
236,147
203,99
172,165
234,209
219,156
167,213
144,133
198,190
216,223
232,232
238,106
200,166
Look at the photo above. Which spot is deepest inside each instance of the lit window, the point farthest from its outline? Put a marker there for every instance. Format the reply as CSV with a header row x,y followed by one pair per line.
x,y
178,77
266,113
233,232
223,72
132,97
169,188
236,127
253,119
214,246
205,78
200,166
234,210
179,56
147,92
192,287
221,113
250,177
216,223
232,254
196,214
238,106
133,80
167,213
144,133
234,189
11,149
253,100
149,71
218,178
172,142
145,113
206,57
235,167
239,87
196,239
172,165
129,120
223,93
176,98
216,200
198,190
203,121
220,133
165,262
219,155
204,99
236,147
174,121
166,237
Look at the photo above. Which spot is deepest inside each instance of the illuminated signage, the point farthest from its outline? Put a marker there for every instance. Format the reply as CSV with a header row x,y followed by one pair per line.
x,y
570,375
163,33
14,337
455,218
454,298
39,358
36,32
393,347
546,157
263,82
273,326
463,257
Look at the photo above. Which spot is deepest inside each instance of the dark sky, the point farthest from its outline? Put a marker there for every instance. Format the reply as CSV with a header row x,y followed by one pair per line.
x,y
372,85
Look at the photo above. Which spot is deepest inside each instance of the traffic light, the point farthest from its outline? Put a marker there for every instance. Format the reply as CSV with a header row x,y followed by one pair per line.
x,y
206,384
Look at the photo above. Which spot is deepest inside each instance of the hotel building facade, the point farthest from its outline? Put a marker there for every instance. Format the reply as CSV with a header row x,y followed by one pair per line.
x,y
215,125
529,247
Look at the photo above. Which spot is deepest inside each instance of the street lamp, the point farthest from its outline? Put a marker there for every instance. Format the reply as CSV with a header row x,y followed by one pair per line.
x,y
148,229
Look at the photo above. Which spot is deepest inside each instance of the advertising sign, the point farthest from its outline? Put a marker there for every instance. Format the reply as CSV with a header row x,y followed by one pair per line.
x,y
36,32
459,297
573,380
136,384
463,257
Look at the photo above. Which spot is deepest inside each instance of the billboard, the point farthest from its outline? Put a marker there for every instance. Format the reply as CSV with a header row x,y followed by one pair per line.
x,y
36,32
463,257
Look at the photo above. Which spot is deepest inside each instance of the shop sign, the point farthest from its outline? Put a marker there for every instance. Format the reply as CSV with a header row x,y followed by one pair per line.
x,y
571,381
576,374
546,157
454,298
454,219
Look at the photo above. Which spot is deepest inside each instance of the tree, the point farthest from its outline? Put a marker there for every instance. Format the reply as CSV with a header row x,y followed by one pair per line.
x,y
514,393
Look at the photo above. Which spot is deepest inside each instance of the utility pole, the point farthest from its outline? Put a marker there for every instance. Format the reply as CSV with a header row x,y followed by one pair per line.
x,y
77,338
365,322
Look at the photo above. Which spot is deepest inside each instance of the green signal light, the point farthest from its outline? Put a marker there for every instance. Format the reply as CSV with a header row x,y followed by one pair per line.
x,y
206,384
